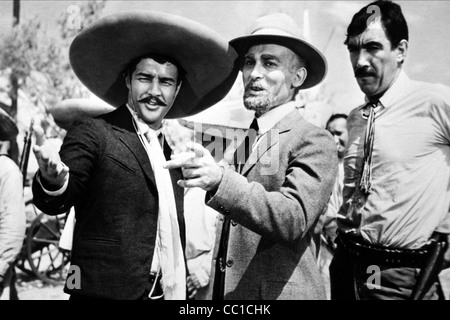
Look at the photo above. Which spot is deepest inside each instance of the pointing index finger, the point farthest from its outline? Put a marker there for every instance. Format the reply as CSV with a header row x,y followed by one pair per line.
x,y
199,150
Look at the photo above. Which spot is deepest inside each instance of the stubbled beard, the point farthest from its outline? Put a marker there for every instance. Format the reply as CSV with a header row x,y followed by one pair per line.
x,y
259,104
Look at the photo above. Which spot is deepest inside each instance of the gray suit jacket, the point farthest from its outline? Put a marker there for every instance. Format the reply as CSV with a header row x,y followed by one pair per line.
x,y
275,206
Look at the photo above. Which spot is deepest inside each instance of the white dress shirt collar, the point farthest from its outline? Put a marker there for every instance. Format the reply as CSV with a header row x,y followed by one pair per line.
x,y
268,120
141,126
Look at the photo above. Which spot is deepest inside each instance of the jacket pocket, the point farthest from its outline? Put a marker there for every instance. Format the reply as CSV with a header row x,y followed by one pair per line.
x,y
279,290
100,240
120,164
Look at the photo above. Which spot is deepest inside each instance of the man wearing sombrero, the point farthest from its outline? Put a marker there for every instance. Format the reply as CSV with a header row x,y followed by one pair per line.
x,y
12,206
272,199
129,235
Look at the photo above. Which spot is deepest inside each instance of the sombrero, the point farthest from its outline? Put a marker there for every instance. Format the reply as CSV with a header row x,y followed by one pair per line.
x,y
8,128
281,29
101,52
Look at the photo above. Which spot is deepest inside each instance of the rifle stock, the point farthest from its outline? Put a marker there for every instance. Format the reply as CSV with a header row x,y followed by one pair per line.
x,y
26,152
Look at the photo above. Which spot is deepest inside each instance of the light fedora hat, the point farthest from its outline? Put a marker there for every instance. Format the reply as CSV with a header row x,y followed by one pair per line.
x,y
281,29
8,128
100,54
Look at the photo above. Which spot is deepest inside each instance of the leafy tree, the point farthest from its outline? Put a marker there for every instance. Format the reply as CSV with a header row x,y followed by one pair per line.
x,y
38,64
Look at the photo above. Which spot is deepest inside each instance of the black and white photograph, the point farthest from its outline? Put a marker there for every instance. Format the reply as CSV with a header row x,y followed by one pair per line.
x,y
224,151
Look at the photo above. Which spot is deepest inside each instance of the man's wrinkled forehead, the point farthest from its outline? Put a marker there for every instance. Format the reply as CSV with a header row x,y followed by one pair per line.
x,y
269,50
375,32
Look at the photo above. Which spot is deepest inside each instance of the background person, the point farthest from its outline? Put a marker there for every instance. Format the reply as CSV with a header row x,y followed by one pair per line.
x,y
337,126
12,209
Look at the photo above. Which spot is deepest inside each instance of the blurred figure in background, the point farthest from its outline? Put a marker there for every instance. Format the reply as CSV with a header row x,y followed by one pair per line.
x,y
200,238
12,210
337,126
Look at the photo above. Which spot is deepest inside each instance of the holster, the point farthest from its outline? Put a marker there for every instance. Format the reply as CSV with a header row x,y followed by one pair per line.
x,y
432,267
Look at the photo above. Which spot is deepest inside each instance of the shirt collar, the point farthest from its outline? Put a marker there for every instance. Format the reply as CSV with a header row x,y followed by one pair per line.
x,y
268,120
394,93
140,126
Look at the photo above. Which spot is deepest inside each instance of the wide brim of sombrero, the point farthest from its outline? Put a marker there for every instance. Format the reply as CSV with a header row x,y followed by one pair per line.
x,y
101,52
8,129
316,62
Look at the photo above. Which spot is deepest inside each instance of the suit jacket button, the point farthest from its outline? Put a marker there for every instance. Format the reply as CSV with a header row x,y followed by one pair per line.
x,y
230,263
233,223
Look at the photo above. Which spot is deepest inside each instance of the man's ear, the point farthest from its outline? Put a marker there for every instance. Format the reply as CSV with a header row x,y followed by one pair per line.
x,y
402,51
299,77
127,77
178,89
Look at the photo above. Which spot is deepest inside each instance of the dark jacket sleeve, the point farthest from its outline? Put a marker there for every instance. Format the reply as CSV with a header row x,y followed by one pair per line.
x,y
79,152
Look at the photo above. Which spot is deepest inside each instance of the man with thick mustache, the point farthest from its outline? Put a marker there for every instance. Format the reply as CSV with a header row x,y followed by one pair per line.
x,y
129,236
394,222
271,200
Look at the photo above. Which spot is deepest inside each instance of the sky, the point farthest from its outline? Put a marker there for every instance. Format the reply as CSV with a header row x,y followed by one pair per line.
x,y
429,46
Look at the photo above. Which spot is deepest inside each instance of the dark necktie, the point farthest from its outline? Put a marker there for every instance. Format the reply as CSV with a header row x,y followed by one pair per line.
x,y
247,144
221,263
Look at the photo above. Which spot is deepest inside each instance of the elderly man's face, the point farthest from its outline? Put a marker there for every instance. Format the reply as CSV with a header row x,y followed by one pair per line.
x,y
152,90
271,73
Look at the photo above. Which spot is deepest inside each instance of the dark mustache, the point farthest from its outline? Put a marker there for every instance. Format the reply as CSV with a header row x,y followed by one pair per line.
x,y
148,99
363,72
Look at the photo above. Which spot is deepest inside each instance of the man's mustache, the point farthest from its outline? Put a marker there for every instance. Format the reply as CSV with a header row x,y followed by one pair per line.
x,y
253,85
364,72
153,100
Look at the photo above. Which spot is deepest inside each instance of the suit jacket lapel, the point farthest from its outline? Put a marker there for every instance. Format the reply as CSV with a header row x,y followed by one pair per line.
x,y
123,125
270,139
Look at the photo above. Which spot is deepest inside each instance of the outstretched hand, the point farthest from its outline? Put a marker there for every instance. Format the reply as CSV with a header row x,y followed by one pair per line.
x,y
198,166
52,169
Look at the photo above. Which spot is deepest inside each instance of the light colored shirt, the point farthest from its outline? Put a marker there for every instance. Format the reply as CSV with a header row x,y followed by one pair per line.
x,y
141,129
335,203
12,213
200,234
168,255
268,120
410,196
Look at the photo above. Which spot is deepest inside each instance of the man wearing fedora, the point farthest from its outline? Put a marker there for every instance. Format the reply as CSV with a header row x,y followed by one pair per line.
x,y
129,236
273,196
12,208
